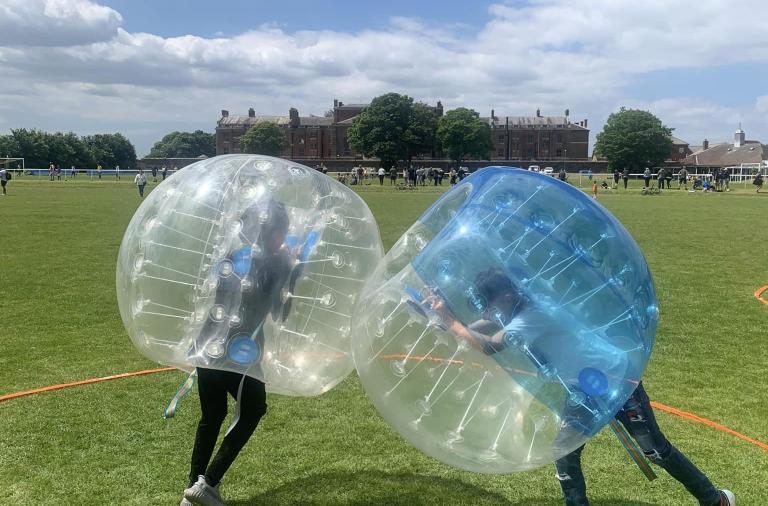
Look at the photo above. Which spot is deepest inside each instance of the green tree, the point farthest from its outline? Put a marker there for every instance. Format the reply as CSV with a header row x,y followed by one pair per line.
x,y
111,150
462,133
393,128
264,138
634,139
185,145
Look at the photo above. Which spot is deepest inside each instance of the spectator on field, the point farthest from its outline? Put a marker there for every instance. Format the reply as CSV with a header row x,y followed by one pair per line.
x,y
616,177
647,177
392,176
141,181
382,173
758,182
73,171
5,176
164,171
625,176
51,170
154,174
117,172
98,170
726,185
682,178
562,176
698,184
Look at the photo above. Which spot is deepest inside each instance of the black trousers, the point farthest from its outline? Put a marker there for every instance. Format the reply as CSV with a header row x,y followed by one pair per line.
x,y
213,387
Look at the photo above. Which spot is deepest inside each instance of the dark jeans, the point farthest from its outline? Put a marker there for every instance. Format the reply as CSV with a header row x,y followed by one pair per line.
x,y
646,180
638,418
213,387
141,190
381,179
625,182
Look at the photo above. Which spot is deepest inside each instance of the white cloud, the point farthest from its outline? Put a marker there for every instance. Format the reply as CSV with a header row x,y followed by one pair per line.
x,y
55,22
553,54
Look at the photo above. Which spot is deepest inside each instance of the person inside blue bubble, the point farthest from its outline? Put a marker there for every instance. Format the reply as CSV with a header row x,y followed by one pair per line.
x,y
504,301
250,287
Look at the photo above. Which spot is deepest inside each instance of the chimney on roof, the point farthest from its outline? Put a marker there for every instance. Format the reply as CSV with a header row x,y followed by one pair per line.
x,y
567,113
493,115
705,144
224,113
538,113
341,104
439,108
585,123
739,137
293,117
251,113
335,102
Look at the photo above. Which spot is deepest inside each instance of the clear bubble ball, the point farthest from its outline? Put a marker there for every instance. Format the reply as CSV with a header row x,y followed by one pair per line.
x,y
249,264
507,325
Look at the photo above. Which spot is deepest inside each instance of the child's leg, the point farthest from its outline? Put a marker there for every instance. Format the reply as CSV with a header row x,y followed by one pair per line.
x,y
637,416
213,404
253,405
571,478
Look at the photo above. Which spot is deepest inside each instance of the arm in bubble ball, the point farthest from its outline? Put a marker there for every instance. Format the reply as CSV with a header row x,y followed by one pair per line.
x,y
483,335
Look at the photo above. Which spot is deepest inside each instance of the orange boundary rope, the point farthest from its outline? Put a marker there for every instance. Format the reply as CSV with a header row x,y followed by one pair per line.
x,y
704,421
25,393
657,405
759,294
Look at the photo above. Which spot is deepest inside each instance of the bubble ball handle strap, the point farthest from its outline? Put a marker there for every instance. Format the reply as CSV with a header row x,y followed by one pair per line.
x,y
184,389
634,452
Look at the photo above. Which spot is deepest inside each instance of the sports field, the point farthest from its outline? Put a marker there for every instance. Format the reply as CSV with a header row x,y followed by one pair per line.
x,y
107,443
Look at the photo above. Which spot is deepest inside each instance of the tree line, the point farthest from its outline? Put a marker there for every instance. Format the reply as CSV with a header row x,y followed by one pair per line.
x,y
40,148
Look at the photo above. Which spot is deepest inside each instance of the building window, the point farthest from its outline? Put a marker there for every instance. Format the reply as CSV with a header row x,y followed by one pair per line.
x,y
559,152
500,152
530,138
681,150
501,138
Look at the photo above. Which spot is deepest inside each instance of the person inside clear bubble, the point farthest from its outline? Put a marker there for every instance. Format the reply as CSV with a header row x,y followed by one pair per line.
x,y
493,333
251,281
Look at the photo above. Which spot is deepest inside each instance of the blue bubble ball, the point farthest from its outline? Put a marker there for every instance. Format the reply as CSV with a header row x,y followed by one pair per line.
x,y
508,325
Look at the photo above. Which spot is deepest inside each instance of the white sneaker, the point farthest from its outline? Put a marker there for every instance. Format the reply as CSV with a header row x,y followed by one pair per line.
x,y
185,502
727,498
202,494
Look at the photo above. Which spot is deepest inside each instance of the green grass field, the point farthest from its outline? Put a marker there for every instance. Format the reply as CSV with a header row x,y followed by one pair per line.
x,y
108,443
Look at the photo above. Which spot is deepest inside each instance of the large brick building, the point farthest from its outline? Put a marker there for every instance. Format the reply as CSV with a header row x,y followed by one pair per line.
x,y
538,137
325,137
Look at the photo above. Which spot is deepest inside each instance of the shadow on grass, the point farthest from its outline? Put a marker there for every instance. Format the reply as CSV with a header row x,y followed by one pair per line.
x,y
391,489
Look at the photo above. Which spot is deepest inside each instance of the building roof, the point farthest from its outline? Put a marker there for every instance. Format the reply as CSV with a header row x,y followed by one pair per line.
x,y
353,106
233,120
315,121
534,121
280,120
726,155
679,142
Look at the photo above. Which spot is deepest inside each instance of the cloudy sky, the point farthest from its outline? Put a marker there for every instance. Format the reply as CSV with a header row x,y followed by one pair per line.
x,y
148,68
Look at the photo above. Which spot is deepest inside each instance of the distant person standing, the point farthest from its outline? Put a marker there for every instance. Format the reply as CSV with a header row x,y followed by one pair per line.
x,y
392,176
647,177
682,178
51,170
562,176
616,177
164,171
141,182
5,176
594,189
98,170
73,171
154,174
58,172
758,182
117,172
625,176
726,186
382,173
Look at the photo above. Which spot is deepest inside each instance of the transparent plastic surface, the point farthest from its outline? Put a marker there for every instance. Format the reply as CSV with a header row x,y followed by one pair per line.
x,y
249,264
507,325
